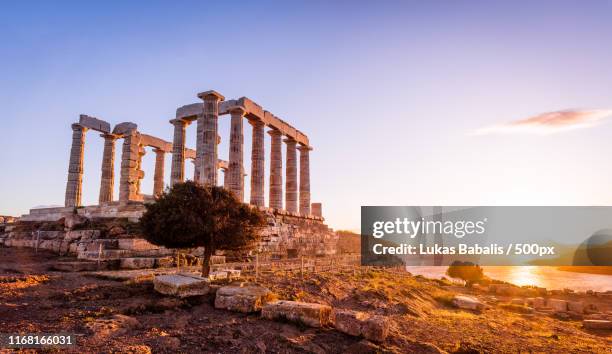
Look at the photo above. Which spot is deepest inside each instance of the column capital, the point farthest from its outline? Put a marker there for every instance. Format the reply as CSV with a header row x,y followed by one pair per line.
x,y
237,110
179,121
255,122
211,94
274,132
304,148
290,141
78,127
109,136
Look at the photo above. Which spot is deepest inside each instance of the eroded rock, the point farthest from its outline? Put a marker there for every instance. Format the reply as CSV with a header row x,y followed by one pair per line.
x,y
246,299
355,323
181,285
313,315
467,303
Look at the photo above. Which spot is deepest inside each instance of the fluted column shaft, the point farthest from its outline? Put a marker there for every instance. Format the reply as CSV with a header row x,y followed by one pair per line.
x,y
107,182
276,170
225,178
74,185
291,184
304,179
257,163
177,171
129,183
236,146
206,146
158,177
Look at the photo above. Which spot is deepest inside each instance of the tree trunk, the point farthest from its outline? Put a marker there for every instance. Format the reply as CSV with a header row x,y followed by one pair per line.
x,y
208,251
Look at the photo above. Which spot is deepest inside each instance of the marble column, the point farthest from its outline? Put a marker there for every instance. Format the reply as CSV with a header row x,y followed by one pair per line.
x,y
291,184
225,178
196,170
236,147
257,163
177,171
276,170
130,168
304,179
158,177
74,185
107,182
206,145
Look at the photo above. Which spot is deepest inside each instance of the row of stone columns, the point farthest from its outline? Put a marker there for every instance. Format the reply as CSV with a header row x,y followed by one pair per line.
x,y
207,157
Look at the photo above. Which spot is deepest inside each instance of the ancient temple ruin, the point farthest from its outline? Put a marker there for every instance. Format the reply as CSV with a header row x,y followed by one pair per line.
x,y
295,225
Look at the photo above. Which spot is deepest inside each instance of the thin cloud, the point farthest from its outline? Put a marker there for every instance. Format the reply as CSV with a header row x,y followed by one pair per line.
x,y
550,122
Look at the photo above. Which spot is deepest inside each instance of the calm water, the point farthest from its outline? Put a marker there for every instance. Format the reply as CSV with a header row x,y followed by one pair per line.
x,y
546,277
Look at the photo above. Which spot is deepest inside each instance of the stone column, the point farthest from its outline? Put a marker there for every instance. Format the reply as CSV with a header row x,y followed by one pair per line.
x,y
257,163
107,182
74,185
158,177
317,209
304,179
276,170
196,171
291,185
177,172
140,172
130,172
225,178
236,145
206,145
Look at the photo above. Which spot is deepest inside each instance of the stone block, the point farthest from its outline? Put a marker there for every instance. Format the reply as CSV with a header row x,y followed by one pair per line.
x,y
467,303
218,275
597,324
537,302
75,266
557,305
354,323
137,263
94,123
313,315
243,298
124,128
181,285
518,301
135,244
575,306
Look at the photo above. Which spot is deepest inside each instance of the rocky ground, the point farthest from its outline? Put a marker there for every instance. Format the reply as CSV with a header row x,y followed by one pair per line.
x,y
116,316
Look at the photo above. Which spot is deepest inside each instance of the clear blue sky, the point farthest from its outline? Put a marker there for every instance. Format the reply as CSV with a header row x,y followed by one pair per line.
x,y
390,93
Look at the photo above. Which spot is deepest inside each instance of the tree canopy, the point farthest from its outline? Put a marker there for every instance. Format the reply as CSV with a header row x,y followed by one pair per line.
x,y
189,215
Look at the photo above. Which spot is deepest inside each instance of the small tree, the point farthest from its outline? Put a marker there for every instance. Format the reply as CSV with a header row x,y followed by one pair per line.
x,y
189,215
467,271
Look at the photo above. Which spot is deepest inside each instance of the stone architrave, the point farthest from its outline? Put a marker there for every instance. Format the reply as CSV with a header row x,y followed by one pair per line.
x,y
107,182
257,163
74,185
158,177
236,148
276,170
177,171
206,145
130,168
304,179
291,190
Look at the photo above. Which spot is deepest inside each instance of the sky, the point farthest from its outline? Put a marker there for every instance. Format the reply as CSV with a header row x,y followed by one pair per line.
x,y
405,103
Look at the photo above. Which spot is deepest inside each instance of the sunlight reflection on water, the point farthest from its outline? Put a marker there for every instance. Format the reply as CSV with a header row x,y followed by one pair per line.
x,y
546,277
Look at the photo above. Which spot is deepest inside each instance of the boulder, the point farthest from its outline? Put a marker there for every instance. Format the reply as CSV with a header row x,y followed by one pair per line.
x,y
597,324
467,303
181,285
557,305
355,323
242,298
313,315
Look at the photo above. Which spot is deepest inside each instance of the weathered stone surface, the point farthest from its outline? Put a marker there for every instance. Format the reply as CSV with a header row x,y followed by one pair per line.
x,y
575,306
94,123
257,163
304,179
181,285
217,275
107,181
467,303
206,142
137,263
291,184
73,220
354,323
158,177
125,128
177,172
236,146
74,184
518,301
537,302
246,299
313,315
557,305
276,170
135,244
597,324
